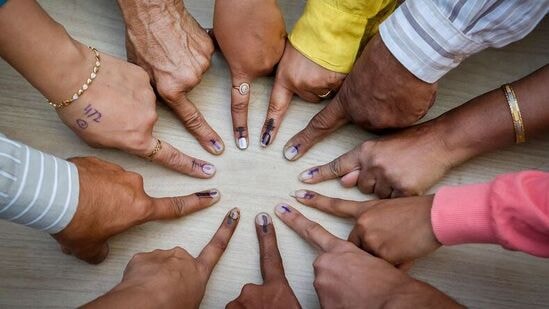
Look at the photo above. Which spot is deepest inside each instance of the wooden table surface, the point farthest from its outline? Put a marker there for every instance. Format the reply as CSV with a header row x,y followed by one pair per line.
x,y
34,272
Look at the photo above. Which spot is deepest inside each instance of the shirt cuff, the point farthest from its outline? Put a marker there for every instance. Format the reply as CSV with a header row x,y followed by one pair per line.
x,y
425,41
462,215
328,36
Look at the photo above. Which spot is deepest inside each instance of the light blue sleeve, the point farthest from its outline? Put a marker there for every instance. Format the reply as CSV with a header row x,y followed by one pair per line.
x,y
36,189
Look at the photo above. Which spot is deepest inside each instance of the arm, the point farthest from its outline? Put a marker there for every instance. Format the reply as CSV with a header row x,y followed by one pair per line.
x,y
432,37
330,32
36,189
512,210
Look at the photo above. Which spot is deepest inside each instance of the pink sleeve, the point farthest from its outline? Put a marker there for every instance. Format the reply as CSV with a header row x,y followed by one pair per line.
x,y
512,210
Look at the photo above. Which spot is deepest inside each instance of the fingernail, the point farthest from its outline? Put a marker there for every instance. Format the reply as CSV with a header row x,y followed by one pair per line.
x,y
263,219
213,193
282,209
241,140
242,143
302,194
291,152
208,169
218,147
269,127
266,139
308,174
233,216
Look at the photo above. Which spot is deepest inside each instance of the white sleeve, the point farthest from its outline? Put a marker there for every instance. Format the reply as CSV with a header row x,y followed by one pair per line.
x,y
36,189
431,37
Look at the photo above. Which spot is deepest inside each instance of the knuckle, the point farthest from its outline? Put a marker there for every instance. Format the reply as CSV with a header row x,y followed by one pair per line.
x,y
320,122
239,107
178,206
219,244
275,109
335,167
312,229
193,120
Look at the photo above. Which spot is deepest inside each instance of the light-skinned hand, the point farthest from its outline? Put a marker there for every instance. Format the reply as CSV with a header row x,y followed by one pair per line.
x,y
163,38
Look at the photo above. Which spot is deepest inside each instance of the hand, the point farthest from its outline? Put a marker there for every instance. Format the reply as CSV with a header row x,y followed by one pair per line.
x,y
112,200
118,111
398,230
347,277
296,74
165,40
403,164
275,292
251,35
379,93
169,278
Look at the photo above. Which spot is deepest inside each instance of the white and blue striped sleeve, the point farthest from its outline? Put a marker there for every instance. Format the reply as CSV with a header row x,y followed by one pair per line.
x,y
36,189
431,37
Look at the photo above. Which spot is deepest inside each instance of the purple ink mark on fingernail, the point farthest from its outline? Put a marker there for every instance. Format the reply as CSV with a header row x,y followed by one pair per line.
x,y
206,194
82,124
265,223
309,195
269,127
232,216
216,145
286,209
313,171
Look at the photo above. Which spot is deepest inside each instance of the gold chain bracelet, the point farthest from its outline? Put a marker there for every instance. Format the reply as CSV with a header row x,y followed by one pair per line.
x,y
85,86
520,135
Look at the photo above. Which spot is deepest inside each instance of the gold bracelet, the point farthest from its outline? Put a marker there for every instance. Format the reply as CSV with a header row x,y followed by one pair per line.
x,y
85,86
520,136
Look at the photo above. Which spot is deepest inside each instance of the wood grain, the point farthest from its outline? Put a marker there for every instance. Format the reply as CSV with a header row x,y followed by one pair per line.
x,y
34,272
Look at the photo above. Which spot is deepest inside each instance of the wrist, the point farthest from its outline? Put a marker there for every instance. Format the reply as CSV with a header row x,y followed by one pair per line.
x,y
455,145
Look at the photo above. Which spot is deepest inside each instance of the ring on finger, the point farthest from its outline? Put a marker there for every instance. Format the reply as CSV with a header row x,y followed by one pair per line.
x,y
243,88
155,150
327,94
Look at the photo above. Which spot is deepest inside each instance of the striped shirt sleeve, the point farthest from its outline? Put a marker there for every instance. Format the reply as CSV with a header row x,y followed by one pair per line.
x,y
36,189
431,37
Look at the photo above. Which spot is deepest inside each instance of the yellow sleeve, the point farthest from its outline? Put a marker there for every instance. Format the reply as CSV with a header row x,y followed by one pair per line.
x,y
330,32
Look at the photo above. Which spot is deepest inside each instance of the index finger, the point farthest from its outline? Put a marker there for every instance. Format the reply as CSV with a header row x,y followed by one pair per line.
x,y
212,252
342,165
197,125
278,105
240,99
168,156
329,119
309,230
270,260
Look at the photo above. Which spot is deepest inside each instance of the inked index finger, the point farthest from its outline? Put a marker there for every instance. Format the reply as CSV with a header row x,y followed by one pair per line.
x,y
213,251
270,260
309,230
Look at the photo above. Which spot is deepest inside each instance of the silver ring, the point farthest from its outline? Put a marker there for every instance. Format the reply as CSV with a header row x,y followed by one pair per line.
x,y
243,88
324,96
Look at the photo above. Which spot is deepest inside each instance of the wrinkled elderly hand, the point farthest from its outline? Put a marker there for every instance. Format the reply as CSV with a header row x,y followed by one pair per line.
x,y
379,93
398,230
112,200
165,40
275,292
403,164
296,74
348,277
251,35
169,278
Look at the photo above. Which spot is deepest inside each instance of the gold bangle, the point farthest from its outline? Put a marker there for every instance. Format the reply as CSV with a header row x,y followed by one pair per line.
x,y
85,86
520,136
